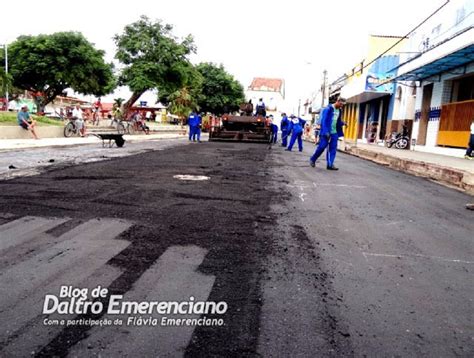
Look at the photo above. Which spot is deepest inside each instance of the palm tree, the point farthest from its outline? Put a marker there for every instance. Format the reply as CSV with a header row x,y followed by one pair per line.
x,y
182,103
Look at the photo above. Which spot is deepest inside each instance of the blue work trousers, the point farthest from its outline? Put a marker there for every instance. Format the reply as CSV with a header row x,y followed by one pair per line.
x,y
284,138
323,143
295,136
194,131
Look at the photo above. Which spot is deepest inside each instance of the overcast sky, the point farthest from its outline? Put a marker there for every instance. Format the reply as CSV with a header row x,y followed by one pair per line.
x,y
294,40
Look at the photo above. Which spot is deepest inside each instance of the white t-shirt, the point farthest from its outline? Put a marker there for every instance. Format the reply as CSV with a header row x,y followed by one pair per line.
x,y
77,113
472,128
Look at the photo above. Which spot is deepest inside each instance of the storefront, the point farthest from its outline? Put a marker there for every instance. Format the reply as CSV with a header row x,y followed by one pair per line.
x,y
445,98
370,100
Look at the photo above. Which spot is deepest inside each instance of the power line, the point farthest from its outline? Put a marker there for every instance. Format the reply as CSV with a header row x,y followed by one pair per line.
x,y
395,44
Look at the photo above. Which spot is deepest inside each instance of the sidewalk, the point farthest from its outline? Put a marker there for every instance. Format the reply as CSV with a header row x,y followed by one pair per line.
x,y
157,132
454,171
48,131
12,144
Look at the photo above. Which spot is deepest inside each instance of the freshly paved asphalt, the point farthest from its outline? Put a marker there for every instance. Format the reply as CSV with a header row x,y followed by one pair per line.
x,y
364,261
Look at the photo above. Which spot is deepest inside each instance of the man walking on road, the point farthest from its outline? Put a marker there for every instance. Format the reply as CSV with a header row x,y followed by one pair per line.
x,y
331,130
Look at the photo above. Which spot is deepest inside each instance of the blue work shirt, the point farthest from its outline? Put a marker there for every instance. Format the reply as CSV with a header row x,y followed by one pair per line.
x,y
194,120
326,122
284,124
297,126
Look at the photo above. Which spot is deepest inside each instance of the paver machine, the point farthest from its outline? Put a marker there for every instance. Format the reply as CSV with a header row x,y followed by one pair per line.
x,y
243,128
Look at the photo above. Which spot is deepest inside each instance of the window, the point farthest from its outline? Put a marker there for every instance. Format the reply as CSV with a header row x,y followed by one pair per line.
x,y
463,89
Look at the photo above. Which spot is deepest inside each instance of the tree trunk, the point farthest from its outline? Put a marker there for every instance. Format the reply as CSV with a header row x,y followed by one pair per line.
x,y
39,101
126,107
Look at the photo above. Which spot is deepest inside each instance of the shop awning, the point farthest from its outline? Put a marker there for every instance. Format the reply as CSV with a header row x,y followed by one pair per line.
x,y
449,62
366,96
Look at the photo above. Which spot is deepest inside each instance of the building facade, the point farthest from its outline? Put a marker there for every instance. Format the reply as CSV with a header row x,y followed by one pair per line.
x,y
271,90
369,90
439,63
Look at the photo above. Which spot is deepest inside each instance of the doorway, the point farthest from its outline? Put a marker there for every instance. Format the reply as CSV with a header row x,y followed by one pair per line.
x,y
425,114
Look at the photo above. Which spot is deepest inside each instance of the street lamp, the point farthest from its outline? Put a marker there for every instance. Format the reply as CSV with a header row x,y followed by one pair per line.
x,y
6,72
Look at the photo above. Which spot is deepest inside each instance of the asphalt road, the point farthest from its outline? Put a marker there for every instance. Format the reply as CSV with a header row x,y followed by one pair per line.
x,y
365,261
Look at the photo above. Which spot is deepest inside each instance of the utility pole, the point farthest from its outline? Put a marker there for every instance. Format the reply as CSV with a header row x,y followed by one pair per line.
x,y
5,47
6,72
323,88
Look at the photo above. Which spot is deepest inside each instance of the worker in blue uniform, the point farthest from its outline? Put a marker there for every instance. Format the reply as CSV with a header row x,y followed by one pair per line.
x,y
284,125
194,122
260,109
296,130
331,130
274,129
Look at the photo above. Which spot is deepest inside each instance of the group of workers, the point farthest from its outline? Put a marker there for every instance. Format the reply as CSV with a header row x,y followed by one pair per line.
x,y
330,130
292,129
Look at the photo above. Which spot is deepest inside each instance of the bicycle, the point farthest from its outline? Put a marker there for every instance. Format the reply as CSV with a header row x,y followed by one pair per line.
x,y
132,127
71,128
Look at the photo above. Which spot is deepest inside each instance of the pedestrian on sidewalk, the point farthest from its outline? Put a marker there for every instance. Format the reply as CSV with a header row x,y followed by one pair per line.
x,y
317,129
26,121
470,146
331,130
296,130
284,125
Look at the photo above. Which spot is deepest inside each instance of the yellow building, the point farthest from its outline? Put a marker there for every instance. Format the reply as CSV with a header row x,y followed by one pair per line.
x,y
368,90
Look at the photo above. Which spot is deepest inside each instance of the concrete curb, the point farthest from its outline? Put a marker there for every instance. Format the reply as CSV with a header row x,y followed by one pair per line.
x,y
454,177
15,132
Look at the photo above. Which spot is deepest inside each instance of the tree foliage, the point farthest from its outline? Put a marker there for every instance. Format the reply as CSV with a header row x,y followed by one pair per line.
x,y
49,64
152,58
6,85
185,99
220,92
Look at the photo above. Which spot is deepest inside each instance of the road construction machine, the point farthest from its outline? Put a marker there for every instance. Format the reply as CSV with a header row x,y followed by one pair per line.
x,y
240,129
245,127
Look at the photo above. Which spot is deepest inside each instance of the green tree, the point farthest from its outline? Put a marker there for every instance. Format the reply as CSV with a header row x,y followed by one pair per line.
x,y
47,65
5,82
152,58
220,92
118,102
184,100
